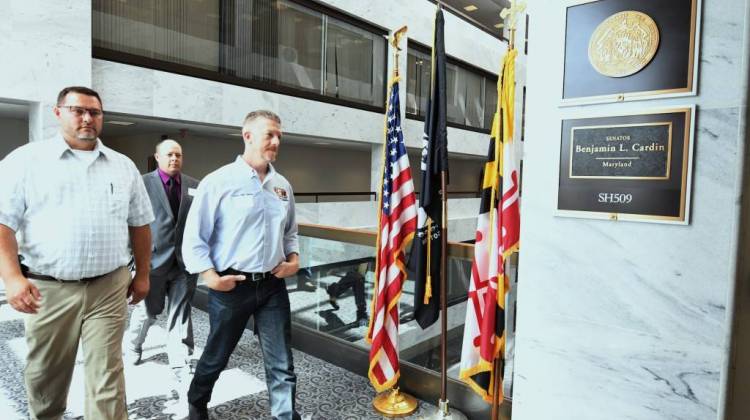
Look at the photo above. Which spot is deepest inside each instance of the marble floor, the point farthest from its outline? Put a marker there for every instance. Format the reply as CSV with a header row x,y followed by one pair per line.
x,y
324,391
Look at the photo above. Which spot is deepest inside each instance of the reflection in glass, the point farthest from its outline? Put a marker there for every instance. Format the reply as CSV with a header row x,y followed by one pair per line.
x,y
354,63
467,97
490,101
422,347
270,40
418,84
465,101
335,305
335,269
171,30
455,91
473,99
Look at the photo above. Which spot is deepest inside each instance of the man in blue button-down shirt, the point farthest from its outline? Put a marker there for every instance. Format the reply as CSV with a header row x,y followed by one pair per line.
x,y
241,235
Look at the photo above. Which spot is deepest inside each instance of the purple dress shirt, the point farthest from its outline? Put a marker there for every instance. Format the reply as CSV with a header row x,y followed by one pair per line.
x,y
165,179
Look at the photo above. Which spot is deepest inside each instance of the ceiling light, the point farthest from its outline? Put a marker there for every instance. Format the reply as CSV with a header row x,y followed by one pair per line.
x,y
323,143
123,123
235,134
470,8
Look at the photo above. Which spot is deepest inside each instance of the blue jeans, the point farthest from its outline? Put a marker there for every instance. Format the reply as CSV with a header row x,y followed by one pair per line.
x,y
228,314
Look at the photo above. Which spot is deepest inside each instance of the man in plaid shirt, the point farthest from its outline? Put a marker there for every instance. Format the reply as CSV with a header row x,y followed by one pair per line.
x,y
78,207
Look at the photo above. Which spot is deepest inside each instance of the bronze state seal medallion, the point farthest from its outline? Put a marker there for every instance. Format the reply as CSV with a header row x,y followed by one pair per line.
x,y
623,44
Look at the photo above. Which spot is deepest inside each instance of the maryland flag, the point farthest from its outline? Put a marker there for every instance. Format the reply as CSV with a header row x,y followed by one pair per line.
x,y
497,237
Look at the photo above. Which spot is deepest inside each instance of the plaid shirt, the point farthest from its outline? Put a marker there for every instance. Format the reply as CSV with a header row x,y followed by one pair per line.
x,y
71,216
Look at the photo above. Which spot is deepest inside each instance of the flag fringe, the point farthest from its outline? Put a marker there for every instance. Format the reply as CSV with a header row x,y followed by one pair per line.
x,y
392,81
374,380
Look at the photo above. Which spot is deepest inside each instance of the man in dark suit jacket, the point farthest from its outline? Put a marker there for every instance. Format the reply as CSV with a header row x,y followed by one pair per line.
x,y
171,193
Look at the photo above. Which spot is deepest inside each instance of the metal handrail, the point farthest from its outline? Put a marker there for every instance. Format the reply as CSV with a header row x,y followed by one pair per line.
x,y
372,195
368,238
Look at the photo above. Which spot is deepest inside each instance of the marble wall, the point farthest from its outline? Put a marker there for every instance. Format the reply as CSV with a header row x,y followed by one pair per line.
x,y
145,92
46,46
624,320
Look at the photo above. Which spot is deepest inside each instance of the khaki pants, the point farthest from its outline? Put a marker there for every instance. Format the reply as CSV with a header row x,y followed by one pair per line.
x,y
94,313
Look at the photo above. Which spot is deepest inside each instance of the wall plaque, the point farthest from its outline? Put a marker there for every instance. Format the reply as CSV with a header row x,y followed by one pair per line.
x,y
619,50
630,167
632,151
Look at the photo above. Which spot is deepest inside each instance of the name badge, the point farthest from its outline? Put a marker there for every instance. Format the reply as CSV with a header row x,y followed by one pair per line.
x,y
191,192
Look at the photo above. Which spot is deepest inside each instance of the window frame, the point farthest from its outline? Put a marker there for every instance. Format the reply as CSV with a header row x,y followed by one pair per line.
x,y
222,77
419,47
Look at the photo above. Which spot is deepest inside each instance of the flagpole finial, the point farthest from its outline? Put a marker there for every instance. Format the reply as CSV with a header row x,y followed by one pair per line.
x,y
510,14
510,17
396,37
395,41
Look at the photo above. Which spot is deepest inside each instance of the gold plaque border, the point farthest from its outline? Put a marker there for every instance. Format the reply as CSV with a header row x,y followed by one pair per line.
x,y
687,160
638,178
689,90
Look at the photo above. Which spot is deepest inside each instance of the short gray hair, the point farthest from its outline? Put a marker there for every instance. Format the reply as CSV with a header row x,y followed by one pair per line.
x,y
261,113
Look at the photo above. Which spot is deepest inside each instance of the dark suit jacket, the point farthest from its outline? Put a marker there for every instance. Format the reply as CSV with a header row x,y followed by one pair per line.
x,y
166,235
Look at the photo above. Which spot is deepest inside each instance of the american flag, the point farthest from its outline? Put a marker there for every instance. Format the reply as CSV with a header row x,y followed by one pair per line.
x,y
396,226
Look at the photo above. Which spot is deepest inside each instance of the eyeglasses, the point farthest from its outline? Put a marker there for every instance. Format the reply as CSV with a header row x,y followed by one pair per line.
x,y
80,111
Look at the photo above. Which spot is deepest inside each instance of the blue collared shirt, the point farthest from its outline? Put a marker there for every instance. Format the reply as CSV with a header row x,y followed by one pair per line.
x,y
236,221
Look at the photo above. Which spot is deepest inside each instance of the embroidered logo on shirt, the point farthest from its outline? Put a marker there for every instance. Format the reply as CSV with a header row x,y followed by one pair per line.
x,y
281,193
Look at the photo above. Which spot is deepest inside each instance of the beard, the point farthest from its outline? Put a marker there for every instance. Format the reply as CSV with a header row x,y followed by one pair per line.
x,y
270,155
88,135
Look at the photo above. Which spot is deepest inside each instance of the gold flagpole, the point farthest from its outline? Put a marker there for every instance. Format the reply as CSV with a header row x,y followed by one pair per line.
x,y
394,403
510,16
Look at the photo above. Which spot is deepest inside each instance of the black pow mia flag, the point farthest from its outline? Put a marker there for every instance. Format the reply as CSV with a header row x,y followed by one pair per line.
x,y
427,245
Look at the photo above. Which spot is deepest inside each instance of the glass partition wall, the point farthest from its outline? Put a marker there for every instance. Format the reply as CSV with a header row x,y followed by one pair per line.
x,y
343,275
